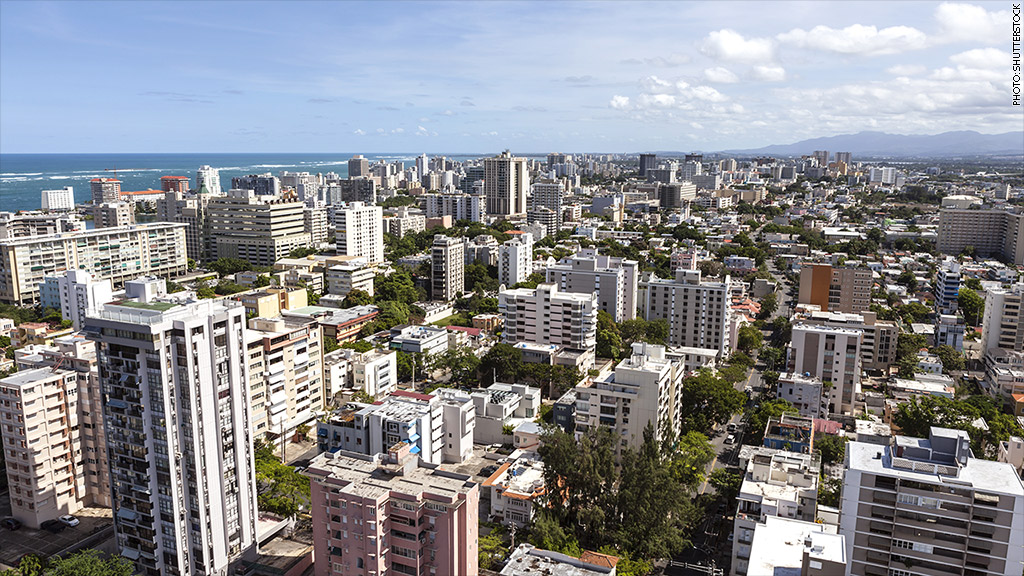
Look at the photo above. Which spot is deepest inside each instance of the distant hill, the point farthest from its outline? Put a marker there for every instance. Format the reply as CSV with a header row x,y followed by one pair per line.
x,y
962,143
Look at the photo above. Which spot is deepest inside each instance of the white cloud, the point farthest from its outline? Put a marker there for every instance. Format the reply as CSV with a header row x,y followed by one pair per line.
x,y
656,101
720,75
619,102
421,129
732,46
905,70
958,22
656,85
359,132
707,94
857,39
768,73
982,58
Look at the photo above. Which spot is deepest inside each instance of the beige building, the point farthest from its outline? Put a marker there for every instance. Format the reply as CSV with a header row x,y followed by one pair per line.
x,y
506,182
118,254
1003,321
836,289
447,274
989,231
314,223
270,302
698,312
878,347
260,229
927,506
831,354
286,376
349,276
177,206
113,215
42,444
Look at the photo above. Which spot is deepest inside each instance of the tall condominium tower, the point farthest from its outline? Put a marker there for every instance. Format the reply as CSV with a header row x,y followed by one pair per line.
x,y
358,166
176,416
359,231
836,289
697,312
549,194
447,275
515,259
647,162
63,199
105,190
209,177
505,183
174,183
263,184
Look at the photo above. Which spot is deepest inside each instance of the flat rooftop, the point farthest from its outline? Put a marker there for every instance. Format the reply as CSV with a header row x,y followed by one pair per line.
x,y
362,477
779,544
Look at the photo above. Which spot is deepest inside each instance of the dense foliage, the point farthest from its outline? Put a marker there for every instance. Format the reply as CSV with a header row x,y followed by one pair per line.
x,y
280,489
915,418
88,562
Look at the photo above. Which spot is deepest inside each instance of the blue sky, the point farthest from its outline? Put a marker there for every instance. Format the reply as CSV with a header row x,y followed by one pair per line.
x,y
484,76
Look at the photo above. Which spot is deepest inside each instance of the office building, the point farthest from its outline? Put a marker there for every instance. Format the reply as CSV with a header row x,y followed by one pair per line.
x,y
447,270
459,206
369,513
105,190
676,195
989,231
776,484
286,377
359,231
117,254
515,260
58,200
25,224
358,166
192,210
831,354
1003,320
836,289
261,184
547,316
259,228
697,311
209,178
42,444
927,506
113,215
647,163
75,293
947,286
354,275
642,390
405,221
614,280
506,182
179,438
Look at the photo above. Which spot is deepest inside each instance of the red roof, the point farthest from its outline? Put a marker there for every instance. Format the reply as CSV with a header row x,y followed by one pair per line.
x,y
598,559
470,331
174,177
104,180
827,426
408,394
141,193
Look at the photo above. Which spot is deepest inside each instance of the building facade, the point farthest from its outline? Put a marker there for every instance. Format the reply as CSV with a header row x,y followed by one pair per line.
x,y
506,182
831,354
990,232
614,280
447,268
359,231
697,312
835,289
546,315
260,228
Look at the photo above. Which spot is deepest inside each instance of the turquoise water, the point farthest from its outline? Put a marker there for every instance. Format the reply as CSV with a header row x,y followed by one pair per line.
x,y
24,176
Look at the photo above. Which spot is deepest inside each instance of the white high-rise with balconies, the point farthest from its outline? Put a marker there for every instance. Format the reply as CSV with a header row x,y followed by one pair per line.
x,y
614,280
545,315
360,231
448,267
63,199
515,260
176,416
209,177
506,181
75,293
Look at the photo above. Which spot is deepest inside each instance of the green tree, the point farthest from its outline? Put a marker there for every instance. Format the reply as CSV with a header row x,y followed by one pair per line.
x,y
203,290
829,491
89,562
831,447
973,284
726,482
706,400
952,360
917,417
907,347
907,280
280,489
688,458
609,341
972,305
750,338
503,362
769,305
396,287
461,362
358,345
758,418
330,344
356,298
226,266
262,281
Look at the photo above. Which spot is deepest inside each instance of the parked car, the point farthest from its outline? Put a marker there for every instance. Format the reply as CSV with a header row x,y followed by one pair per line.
x,y
731,427
10,523
730,439
488,470
69,520
53,526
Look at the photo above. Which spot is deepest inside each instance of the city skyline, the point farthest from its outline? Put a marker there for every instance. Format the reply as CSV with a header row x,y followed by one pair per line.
x,y
380,77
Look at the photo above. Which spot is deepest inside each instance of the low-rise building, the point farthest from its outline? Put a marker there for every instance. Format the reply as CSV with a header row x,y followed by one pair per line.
x,y
526,560
516,488
804,392
419,339
353,275
787,546
375,372
789,432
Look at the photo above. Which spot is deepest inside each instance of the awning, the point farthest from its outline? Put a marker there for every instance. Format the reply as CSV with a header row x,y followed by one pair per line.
x,y
415,450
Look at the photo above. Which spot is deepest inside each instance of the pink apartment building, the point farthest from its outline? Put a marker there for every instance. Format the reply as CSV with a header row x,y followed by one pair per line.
x,y
390,514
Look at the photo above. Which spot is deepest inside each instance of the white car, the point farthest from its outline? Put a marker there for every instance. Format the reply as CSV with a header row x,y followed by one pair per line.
x,y
69,520
730,439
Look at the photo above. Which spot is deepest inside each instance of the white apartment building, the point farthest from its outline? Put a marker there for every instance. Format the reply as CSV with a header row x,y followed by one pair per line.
x,y
515,260
878,346
506,182
549,194
286,376
179,437
643,389
947,286
117,254
1004,373
419,339
75,293
375,372
22,224
786,546
614,280
260,228
448,265
405,221
698,312
39,419
777,483
832,355
927,506
546,315
314,223
359,231
458,206
58,200
949,331
804,393
354,275
208,177
1003,323
458,414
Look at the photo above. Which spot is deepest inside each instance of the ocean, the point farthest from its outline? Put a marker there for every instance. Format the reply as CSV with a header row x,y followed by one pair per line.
x,y
24,176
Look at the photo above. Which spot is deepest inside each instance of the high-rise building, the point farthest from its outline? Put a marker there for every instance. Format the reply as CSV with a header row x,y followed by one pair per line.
x,y
844,157
358,166
506,182
647,163
548,194
458,206
176,415
836,289
473,175
556,158
113,215
422,165
387,513
947,286
118,254
545,315
210,178
26,224
831,354
75,293
304,184
928,506
1003,320
515,260
821,156
192,210
262,184
260,229
544,218
105,190
676,195
405,221
314,223
949,331
174,184
63,199
879,345
359,231
359,189
349,276
613,280
697,311
985,232
448,265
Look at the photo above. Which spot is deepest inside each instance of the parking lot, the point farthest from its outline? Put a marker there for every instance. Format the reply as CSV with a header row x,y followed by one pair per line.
x,y
16,543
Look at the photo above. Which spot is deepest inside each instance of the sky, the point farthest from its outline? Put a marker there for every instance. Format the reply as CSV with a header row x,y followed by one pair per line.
x,y
485,76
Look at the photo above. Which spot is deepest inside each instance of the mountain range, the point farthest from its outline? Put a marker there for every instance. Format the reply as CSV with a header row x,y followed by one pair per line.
x,y
881,144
